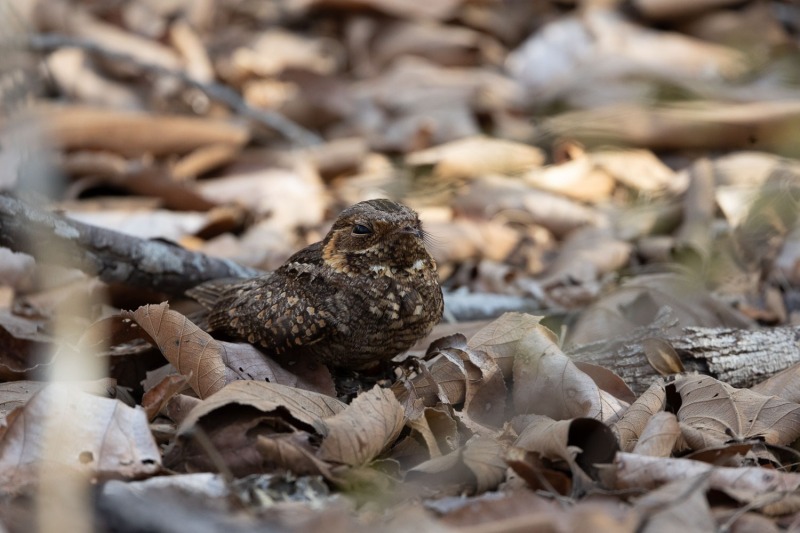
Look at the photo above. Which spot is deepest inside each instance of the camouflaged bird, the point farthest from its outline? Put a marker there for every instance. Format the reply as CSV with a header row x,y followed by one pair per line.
x,y
367,292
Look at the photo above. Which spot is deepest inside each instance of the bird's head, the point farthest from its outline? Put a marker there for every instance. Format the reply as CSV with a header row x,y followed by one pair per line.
x,y
376,235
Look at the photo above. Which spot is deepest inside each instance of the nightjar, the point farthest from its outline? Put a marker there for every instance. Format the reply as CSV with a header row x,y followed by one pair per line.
x,y
367,292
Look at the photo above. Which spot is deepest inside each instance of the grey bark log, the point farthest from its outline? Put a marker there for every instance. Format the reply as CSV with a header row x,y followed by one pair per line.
x,y
112,256
739,357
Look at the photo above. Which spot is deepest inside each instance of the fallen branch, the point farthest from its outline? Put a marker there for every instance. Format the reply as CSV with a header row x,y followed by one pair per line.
x,y
112,256
216,91
741,357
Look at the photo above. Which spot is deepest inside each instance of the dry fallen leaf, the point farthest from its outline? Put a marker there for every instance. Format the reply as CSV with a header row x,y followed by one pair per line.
x,y
209,364
547,382
437,429
237,419
477,466
101,437
745,483
785,384
478,156
680,505
582,443
356,435
662,356
713,413
485,393
659,436
629,428
304,407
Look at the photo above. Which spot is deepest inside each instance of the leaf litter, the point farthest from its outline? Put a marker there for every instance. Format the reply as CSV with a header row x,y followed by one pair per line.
x,y
612,196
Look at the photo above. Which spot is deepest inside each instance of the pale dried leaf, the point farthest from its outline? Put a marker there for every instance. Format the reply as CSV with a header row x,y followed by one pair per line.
x,y
98,436
192,351
713,413
785,384
583,443
482,466
502,338
484,457
680,505
304,406
634,420
644,473
485,394
578,180
659,435
356,435
209,364
662,356
157,397
640,170
547,437
547,382
585,256
495,195
478,156
134,134
437,429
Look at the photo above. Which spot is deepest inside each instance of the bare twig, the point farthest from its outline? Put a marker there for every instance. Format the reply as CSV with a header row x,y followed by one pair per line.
x,y
216,91
114,257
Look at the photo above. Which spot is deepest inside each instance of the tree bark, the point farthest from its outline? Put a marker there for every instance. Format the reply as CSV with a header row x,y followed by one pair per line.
x,y
112,256
739,357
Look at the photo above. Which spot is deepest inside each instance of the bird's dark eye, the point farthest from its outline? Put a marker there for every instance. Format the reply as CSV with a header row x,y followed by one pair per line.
x,y
361,229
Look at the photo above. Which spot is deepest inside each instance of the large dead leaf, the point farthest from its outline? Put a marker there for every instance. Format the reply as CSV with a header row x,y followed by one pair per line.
x,y
366,427
577,179
785,384
478,156
582,443
477,466
437,429
15,394
485,390
134,134
236,421
680,505
209,364
443,382
641,472
193,352
303,406
659,435
638,301
633,421
547,382
503,338
713,413
98,436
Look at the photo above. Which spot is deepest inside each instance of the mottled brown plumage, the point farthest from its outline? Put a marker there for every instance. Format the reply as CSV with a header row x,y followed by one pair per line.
x,y
365,293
